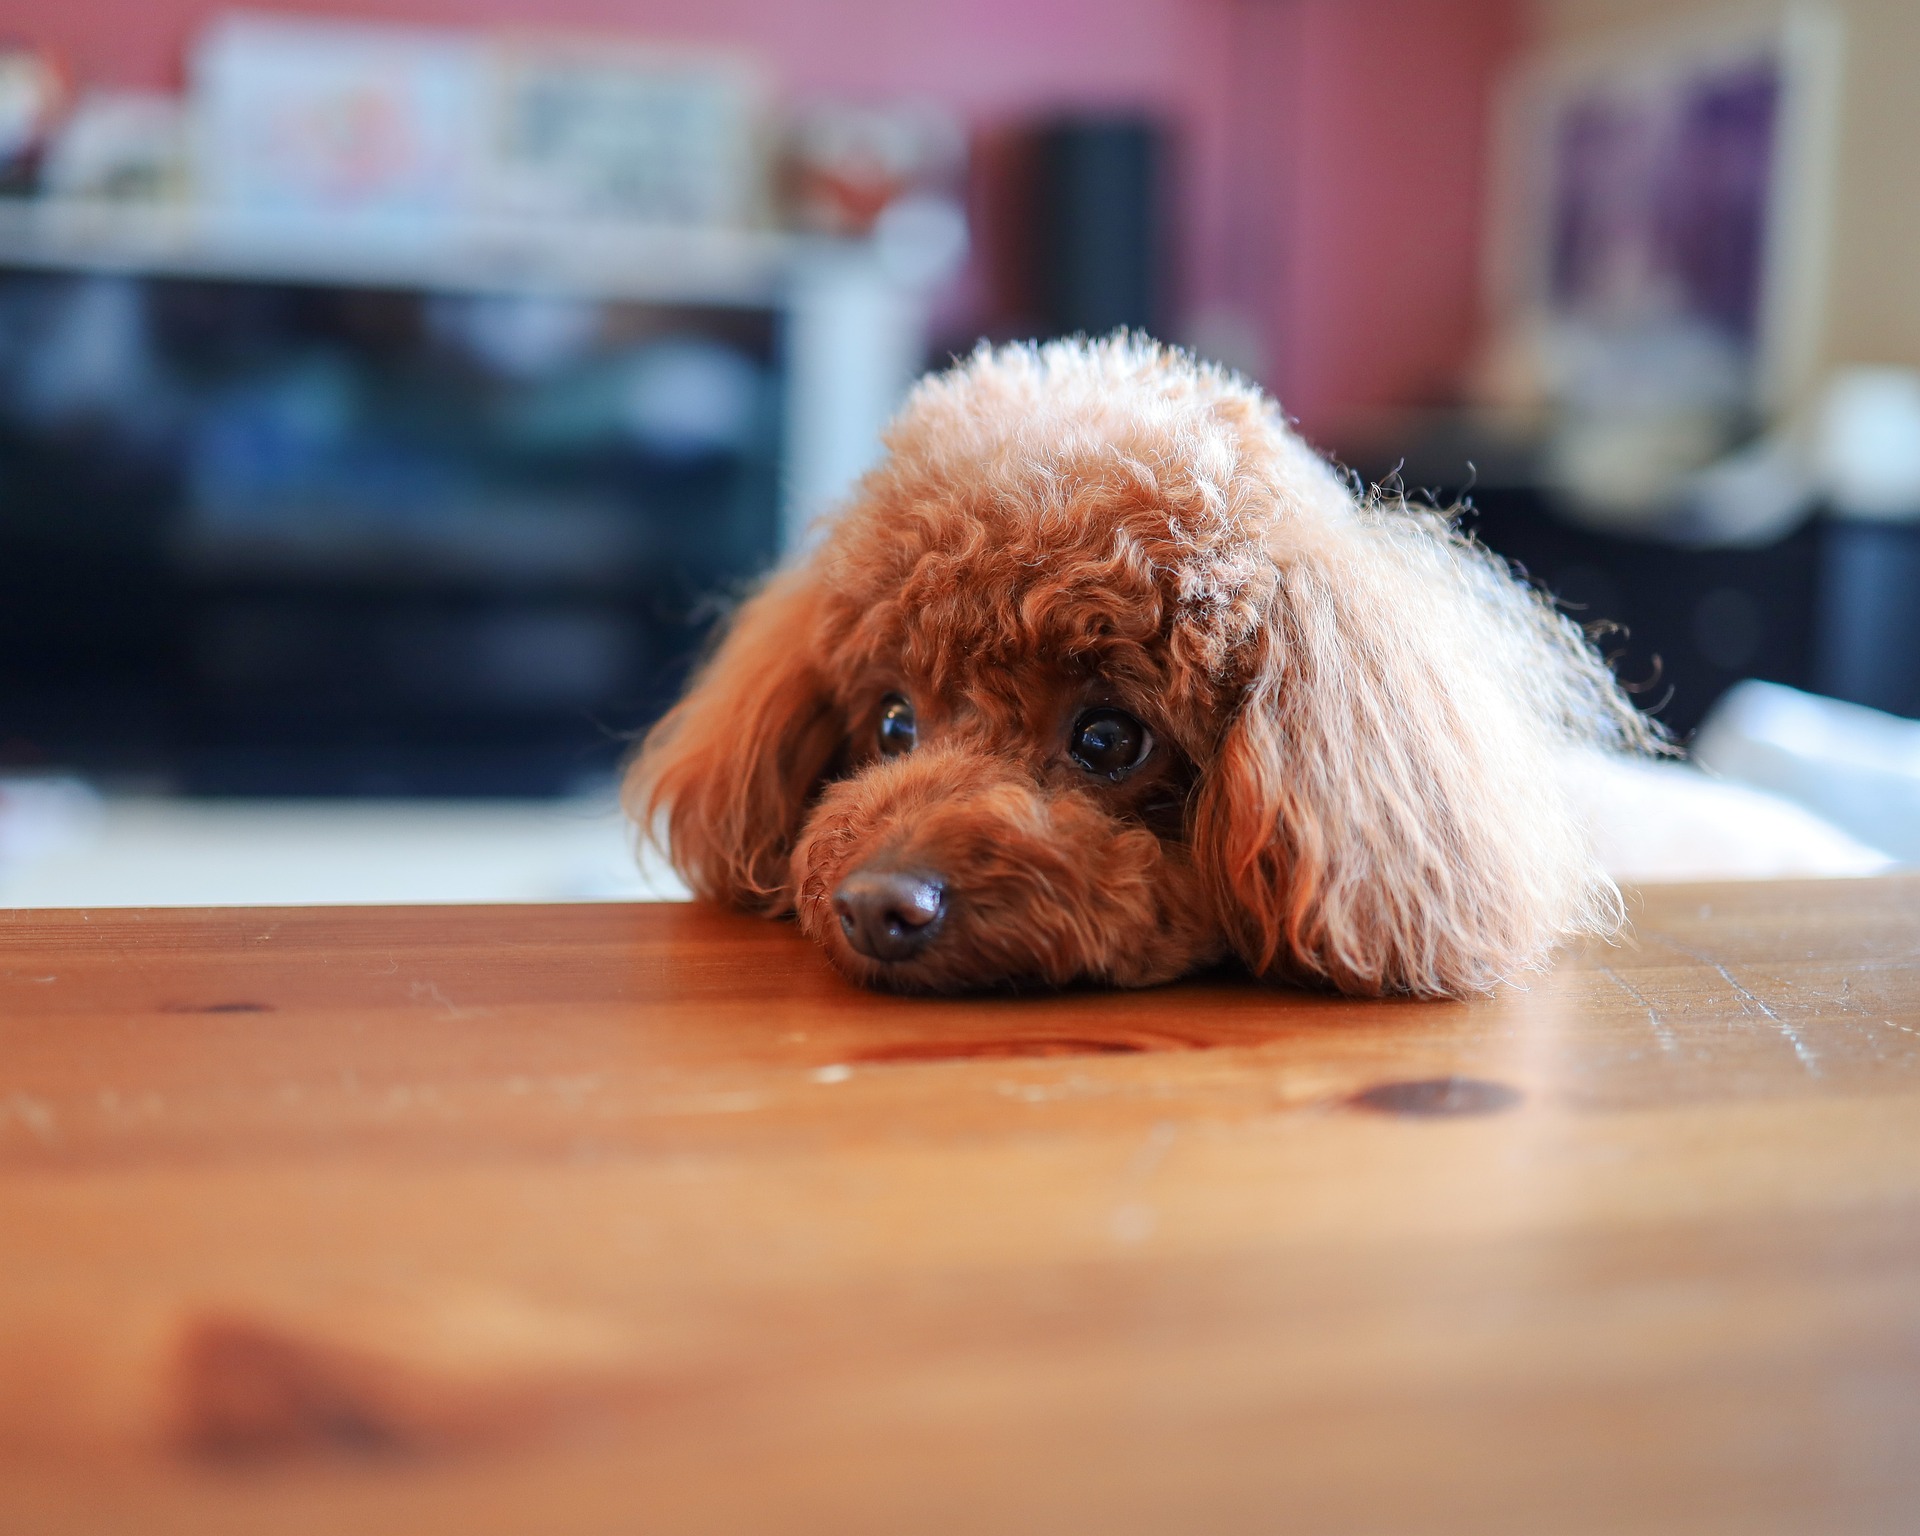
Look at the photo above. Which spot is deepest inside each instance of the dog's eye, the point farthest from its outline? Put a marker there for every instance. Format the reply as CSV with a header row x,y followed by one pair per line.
x,y
1110,742
897,732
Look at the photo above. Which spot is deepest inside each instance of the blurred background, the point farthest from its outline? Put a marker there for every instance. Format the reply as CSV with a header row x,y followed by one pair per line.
x,y
393,393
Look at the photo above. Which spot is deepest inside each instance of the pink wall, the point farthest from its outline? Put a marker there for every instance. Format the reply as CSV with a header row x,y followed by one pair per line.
x,y
1378,145
1331,149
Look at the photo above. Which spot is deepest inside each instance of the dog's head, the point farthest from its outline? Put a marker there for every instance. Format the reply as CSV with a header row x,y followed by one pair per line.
x,y
1104,675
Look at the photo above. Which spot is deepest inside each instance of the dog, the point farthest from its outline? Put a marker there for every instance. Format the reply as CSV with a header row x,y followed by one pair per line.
x,y
1104,676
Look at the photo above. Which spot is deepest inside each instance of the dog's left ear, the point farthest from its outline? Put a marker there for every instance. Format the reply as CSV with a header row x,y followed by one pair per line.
x,y
723,780
1387,810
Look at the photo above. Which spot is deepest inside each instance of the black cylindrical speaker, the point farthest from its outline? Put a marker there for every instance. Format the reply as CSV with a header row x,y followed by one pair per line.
x,y
1097,225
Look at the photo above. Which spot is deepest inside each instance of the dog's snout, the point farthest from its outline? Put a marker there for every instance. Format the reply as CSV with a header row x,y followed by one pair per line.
x,y
890,914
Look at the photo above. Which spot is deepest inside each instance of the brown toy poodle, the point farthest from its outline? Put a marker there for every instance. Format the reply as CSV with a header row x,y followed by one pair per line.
x,y
1103,675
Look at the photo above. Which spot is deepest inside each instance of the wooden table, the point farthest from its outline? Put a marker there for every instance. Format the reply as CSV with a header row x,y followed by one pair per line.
x,y
637,1219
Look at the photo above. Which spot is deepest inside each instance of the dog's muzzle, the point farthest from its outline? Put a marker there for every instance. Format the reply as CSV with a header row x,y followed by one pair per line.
x,y
890,914
949,869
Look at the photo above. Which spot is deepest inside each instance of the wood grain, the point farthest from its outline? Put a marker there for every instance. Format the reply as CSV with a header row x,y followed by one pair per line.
x,y
638,1219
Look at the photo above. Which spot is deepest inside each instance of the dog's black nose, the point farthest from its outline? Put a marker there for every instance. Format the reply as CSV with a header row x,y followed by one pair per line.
x,y
889,914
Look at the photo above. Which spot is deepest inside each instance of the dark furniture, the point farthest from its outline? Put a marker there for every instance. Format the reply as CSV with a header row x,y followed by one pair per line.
x,y
1690,622
297,538
1834,607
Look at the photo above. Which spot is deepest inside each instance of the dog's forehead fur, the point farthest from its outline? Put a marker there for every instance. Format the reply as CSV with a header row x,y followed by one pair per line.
x,y
1109,508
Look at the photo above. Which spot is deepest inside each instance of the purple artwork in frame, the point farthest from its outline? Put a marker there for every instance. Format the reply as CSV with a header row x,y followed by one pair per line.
x,y
1660,206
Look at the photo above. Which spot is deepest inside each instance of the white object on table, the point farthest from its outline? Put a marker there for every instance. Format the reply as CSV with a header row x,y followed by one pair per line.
x,y
1858,767
62,846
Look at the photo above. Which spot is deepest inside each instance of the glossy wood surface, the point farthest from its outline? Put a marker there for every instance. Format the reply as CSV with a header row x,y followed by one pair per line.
x,y
637,1219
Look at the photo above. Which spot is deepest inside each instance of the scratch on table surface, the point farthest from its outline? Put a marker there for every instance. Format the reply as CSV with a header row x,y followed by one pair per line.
x,y
1661,1031
1843,999
118,1106
1151,1152
1801,1050
572,1089
405,1096
35,1114
1076,1085
1133,1221
1850,1004
1800,1047
738,1102
429,989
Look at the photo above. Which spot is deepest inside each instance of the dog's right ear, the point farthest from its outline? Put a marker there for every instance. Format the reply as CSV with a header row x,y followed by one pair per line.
x,y
721,783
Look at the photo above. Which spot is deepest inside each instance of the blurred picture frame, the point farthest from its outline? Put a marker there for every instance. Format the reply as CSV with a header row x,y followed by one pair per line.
x,y
600,129
1662,204
314,119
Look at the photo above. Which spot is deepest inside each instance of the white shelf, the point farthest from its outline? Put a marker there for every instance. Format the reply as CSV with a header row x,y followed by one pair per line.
x,y
596,259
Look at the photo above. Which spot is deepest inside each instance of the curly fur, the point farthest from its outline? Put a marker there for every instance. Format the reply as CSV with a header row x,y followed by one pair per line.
x,y
1365,725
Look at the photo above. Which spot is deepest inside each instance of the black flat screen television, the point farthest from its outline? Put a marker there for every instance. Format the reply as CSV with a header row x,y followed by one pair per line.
x,y
287,539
